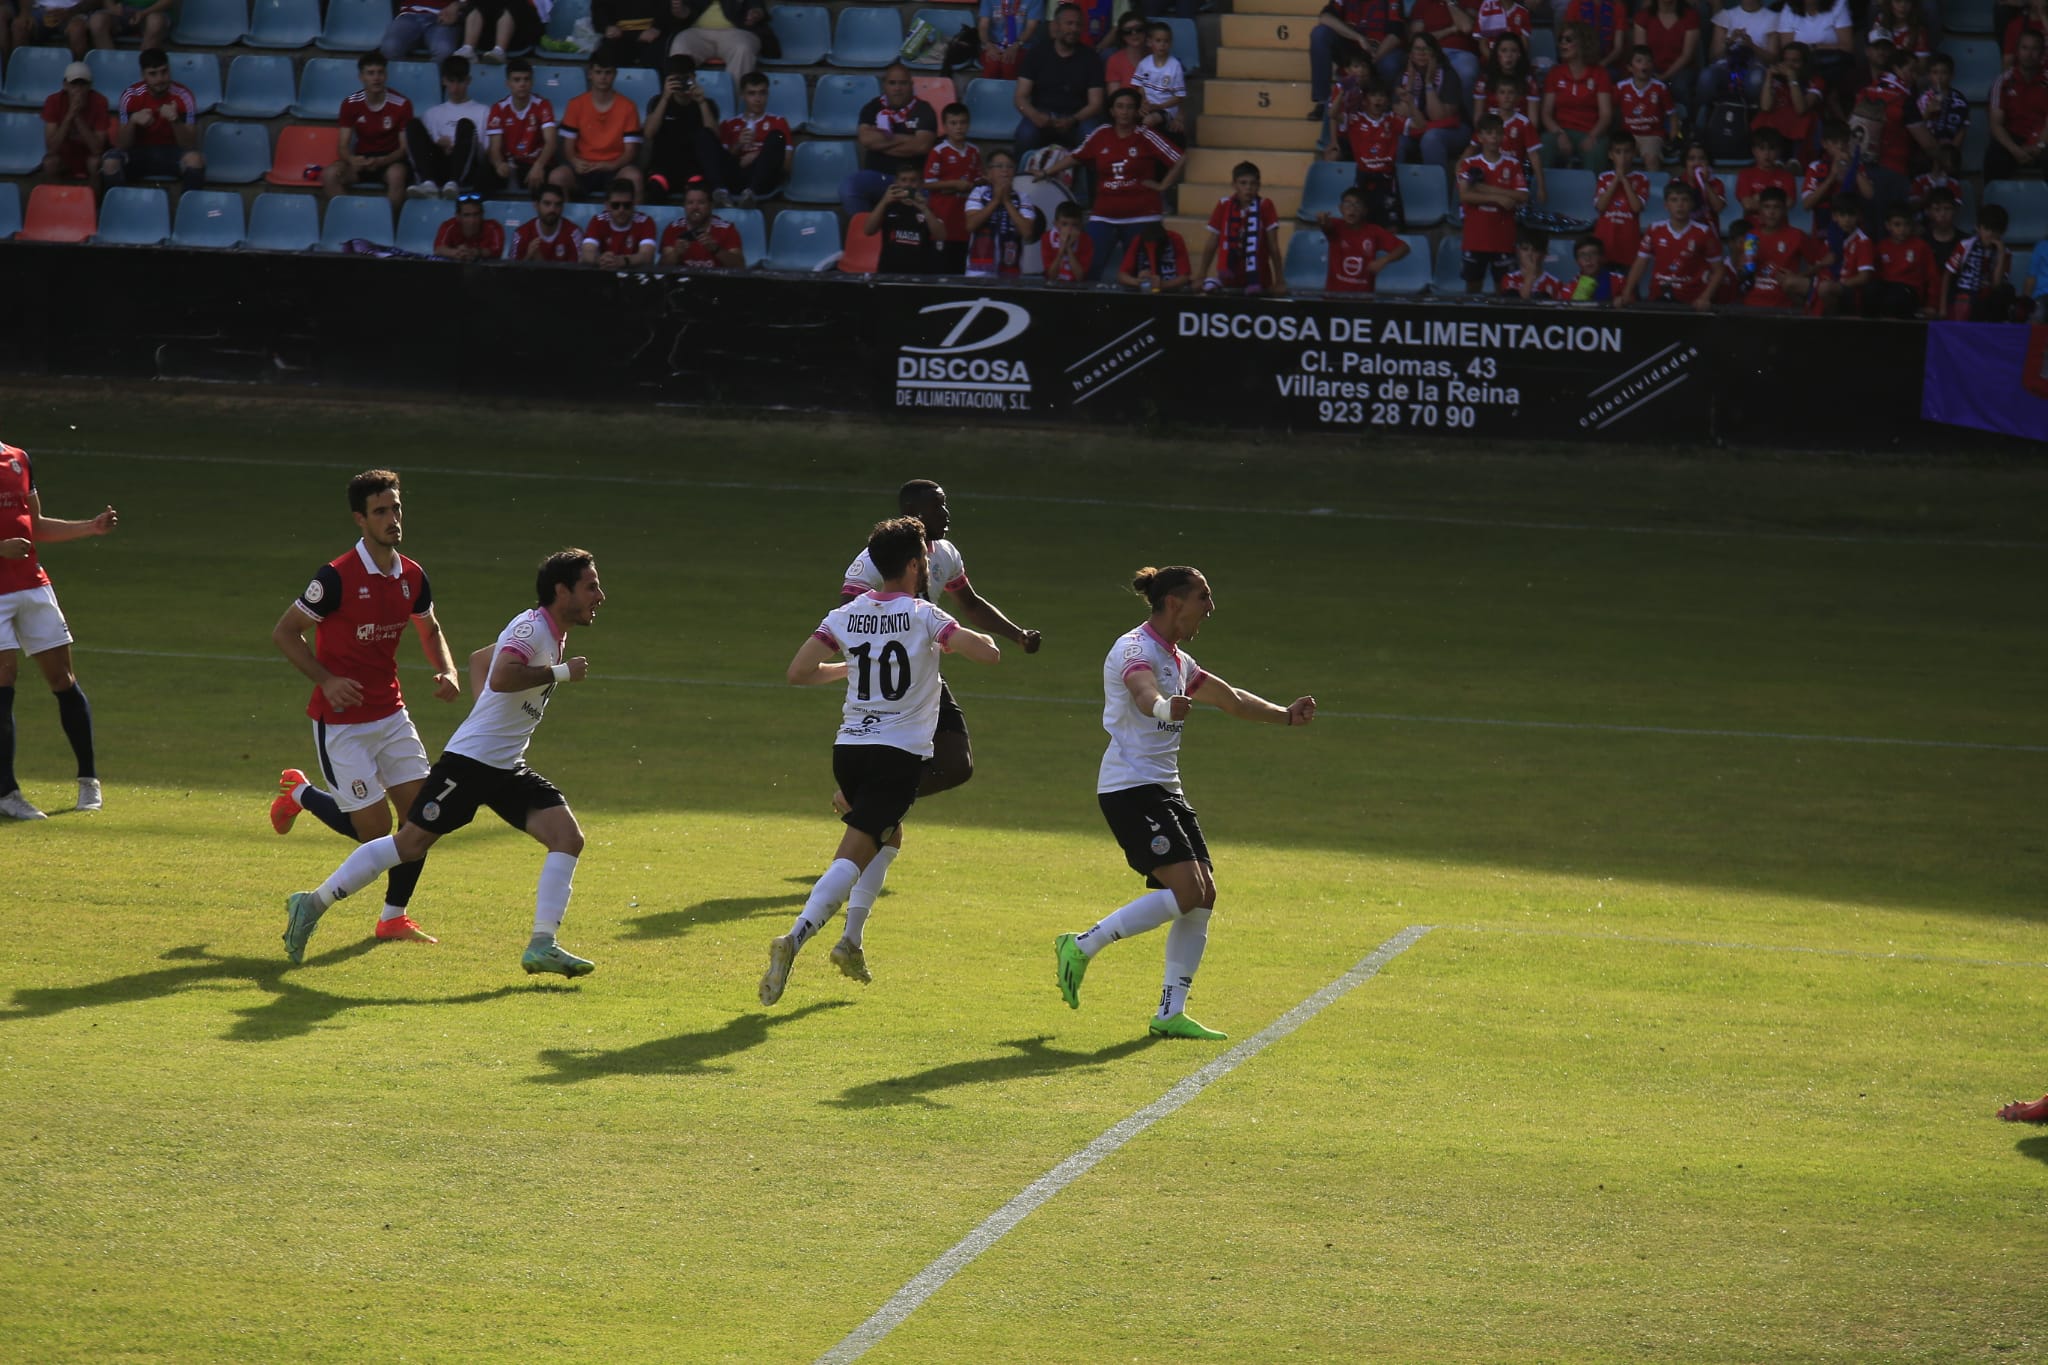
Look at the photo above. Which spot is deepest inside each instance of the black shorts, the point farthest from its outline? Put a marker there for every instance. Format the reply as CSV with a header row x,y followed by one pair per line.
x,y
142,163
1155,827
951,721
1479,263
458,786
879,782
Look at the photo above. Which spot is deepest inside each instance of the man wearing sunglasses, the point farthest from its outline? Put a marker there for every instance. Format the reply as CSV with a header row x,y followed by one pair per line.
x,y
469,235
621,237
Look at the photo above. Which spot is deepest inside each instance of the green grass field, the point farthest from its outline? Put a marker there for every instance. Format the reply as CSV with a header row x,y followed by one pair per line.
x,y
1724,980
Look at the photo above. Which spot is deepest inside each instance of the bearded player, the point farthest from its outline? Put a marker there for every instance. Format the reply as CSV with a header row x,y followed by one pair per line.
x,y
358,605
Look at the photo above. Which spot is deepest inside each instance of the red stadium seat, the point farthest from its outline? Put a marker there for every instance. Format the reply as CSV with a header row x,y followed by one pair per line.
x,y
863,252
59,213
937,91
299,149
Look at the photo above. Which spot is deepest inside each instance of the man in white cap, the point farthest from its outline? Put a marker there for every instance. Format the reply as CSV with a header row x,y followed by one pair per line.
x,y
77,124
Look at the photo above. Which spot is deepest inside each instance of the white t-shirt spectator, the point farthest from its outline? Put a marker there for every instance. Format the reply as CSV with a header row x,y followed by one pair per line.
x,y
1756,25
1160,83
1812,29
442,118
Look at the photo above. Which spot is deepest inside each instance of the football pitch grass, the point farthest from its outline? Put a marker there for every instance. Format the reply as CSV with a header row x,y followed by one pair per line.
x,y
1716,781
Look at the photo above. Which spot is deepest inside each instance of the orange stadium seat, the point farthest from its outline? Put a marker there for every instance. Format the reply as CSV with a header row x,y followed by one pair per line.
x,y
937,91
863,251
59,213
299,149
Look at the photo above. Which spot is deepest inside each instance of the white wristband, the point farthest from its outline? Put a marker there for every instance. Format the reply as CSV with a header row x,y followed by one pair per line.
x,y
561,672
1162,709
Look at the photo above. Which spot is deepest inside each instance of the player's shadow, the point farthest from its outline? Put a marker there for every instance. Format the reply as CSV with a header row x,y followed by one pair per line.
x,y
1030,1058
723,910
295,1008
2035,1147
686,1054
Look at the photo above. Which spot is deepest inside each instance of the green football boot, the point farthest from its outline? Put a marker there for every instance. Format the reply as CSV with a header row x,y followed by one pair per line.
x,y
300,915
1070,964
1180,1026
554,958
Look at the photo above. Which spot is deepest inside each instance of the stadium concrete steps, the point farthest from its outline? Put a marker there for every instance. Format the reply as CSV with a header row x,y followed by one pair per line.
x,y
1209,165
1307,9
1282,32
1270,134
1284,100
1262,64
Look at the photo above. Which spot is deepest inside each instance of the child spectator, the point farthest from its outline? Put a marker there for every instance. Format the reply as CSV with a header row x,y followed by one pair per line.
x,y
1620,195
1832,174
600,138
2019,115
373,124
1790,101
445,144
1941,176
1518,135
1975,286
1766,145
1000,222
469,236
547,238
1736,248
951,168
699,241
1067,252
1374,135
1497,18
619,237
1709,191
1359,248
1607,21
1778,256
1510,58
1838,277
1940,229
1491,187
1646,108
754,147
1681,256
158,133
1007,27
1347,29
1530,281
909,230
519,133
1156,262
1164,83
1243,245
1944,113
1599,280
1671,30
1133,168
1907,275
77,126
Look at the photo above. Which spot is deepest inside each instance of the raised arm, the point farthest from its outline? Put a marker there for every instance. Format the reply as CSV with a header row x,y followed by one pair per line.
x,y
1235,701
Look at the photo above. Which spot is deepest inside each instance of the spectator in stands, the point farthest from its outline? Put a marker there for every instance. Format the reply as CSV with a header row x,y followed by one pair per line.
x,y
520,133
53,21
77,126
1068,252
373,124
446,143
547,238
1531,281
1906,276
1498,19
621,237
600,136
1117,68
1359,248
2019,115
1976,283
1830,175
1449,26
1681,257
951,169
1374,136
159,130
1373,27
146,20
2032,17
894,131
1611,28
1059,88
422,23
1826,29
1164,83
904,220
1157,261
1902,24
1791,101
1944,113
1941,175
682,130
1647,112
1518,135
1578,103
1599,279
1131,168
1939,227
999,222
699,241
1492,190
1242,246
1778,268
1430,103
1765,169
1510,58
1671,30
1845,258
1619,197
1745,37
735,32
514,26
469,236
754,147
1710,191
1900,131
634,32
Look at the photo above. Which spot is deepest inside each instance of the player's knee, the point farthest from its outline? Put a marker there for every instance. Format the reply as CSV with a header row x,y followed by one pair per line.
x,y
568,840
412,843
62,681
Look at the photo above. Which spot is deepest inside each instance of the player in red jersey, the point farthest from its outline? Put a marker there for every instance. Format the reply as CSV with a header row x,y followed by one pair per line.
x,y
1133,168
547,238
373,122
370,754
519,133
621,236
469,236
698,241
1243,242
1359,248
1781,266
1682,257
32,623
952,168
1492,188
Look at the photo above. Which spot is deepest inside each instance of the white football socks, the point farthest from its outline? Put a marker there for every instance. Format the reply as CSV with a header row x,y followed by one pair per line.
x,y
390,912
551,897
369,862
865,891
1147,912
1185,940
826,894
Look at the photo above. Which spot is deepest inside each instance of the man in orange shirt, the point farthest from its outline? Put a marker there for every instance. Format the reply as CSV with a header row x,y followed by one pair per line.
x,y
600,137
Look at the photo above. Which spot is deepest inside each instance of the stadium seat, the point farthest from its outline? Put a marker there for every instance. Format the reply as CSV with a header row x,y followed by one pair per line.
x,y
640,84
558,84
208,218
937,91
236,153
1308,260
2026,202
487,85
419,220
1410,274
1966,16
198,72
1449,278
1425,196
867,36
1326,183
21,143
1976,139
837,102
803,239
357,215
1543,46
562,19
210,23
134,215
1571,193
354,25
259,87
663,215
992,109
753,230
419,82
509,214
1977,67
945,23
819,167
300,150
10,209
59,213
323,85
114,70
789,98
718,88
1187,43
863,252
805,32
33,75
289,24
284,222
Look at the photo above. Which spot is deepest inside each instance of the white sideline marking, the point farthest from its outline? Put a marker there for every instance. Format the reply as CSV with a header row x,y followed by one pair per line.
x,y
933,1277
1316,513
1392,717
1864,954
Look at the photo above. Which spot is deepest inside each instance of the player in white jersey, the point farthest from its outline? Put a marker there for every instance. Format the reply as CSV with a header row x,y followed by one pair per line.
x,y
484,764
1147,687
892,640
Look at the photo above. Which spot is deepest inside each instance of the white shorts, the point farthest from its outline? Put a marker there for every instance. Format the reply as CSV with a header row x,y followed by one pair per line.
x,y
362,762
31,620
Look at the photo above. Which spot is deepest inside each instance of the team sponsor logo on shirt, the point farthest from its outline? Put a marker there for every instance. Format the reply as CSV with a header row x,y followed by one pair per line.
x,y
959,371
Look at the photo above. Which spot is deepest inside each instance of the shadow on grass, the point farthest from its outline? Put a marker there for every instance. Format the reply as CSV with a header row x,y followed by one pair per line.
x,y
683,1055
723,910
296,1008
2035,1147
1031,1058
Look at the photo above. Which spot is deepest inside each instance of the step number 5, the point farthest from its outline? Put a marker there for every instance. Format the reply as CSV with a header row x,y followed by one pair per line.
x,y
1265,99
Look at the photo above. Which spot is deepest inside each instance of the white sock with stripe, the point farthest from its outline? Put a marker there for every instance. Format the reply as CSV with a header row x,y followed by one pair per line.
x,y
551,897
1185,940
826,894
369,862
1146,913
865,891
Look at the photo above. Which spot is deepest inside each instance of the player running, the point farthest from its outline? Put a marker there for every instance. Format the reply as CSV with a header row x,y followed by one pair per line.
x,y
485,765
33,623
892,640
358,605
1147,685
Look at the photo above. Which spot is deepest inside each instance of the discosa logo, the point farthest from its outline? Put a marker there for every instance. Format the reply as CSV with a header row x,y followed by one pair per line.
x,y
961,371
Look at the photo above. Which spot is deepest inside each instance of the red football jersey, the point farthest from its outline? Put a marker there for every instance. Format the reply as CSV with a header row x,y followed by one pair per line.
x,y
1754,180
162,130
490,241
562,246
520,130
1122,165
1620,227
1503,16
1816,172
1247,242
1786,249
362,612
1547,286
947,162
378,131
1645,110
701,249
1352,249
1076,267
1489,227
1910,263
1577,106
17,483
1858,255
733,131
1679,258
1518,135
619,241
1375,142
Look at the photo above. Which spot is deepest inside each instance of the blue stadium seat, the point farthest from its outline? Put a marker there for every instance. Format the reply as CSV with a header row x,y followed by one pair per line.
x,y
33,75
718,88
134,215
2026,201
753,229
1410,274
21,143
663,215
1449,278
487,84
804,239
418,221
210,23
419,82
1977,66
867,36
113,70
198,72
1308,260
357,215
289,24
1966,16
1543,46
992,108
1976,138
805,32
284,222
1572,193
208,218
1326,183
509,214
789,97
562,19
1187,43
354,26
836,105
236,153
819,167
640,84
558,84
10,209
259,87
323,85
946,22
1425,195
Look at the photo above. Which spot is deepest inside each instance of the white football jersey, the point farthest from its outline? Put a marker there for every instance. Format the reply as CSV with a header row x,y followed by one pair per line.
x,y
1142,749
948,572
891,642
499,725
